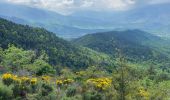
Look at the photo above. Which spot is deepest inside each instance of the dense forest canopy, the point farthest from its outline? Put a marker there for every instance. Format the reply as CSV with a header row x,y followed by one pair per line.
x,y
60,52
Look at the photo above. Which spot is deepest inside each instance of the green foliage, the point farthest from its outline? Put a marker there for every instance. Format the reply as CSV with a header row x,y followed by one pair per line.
x,y
160,90
5,92
85,85
42,68
135,45
15,58
20,91
46,89
59,51
93,96
1,54
71,91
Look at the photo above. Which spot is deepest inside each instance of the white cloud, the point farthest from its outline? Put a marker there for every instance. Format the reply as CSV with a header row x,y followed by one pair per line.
x,y
111,4
69,6
18,1
159,1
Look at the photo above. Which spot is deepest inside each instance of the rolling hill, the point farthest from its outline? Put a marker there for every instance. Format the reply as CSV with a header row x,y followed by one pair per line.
x,y
136,45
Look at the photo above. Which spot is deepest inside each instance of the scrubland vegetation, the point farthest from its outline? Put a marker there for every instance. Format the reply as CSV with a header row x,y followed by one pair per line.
x,y
25,78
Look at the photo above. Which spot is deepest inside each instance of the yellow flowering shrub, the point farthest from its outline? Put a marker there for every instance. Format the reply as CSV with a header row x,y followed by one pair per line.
x,y
7,78
100,83
33,81
64,82
59,82
46,78
68,81
21,86
144,93
24,79
16,79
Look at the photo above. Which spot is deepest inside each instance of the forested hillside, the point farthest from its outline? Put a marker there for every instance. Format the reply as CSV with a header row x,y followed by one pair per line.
x,y
60,52
135,45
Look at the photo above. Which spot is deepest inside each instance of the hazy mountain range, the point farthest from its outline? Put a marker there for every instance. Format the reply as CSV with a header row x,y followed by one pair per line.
x,y
153,18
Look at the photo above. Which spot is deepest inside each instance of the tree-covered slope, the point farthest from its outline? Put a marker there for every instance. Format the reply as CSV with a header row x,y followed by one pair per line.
x,y
60,52
134,44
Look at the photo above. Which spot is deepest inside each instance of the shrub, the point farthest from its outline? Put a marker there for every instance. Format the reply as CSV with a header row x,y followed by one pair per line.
x,y
20,90
43,68
71,91
7,78
46,89
93,96
5,92
65,82
100,83
46,78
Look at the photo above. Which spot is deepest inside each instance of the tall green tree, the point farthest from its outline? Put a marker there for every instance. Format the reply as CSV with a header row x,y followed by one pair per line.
x,y
16,59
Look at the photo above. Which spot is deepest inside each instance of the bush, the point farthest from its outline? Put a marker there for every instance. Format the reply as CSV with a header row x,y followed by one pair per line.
x,y
46,89
7,79
20,91
93,96
71,91
43,68
5,92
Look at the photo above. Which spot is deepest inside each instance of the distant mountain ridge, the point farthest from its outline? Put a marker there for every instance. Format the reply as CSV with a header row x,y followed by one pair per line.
x,y
62,25
153,18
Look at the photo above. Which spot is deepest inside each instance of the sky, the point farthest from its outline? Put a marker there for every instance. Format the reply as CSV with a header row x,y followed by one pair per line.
x,y
70,6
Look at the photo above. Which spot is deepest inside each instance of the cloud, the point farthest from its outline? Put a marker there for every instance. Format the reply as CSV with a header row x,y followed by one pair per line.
x,y
112,4
150,2
69,6
159,1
